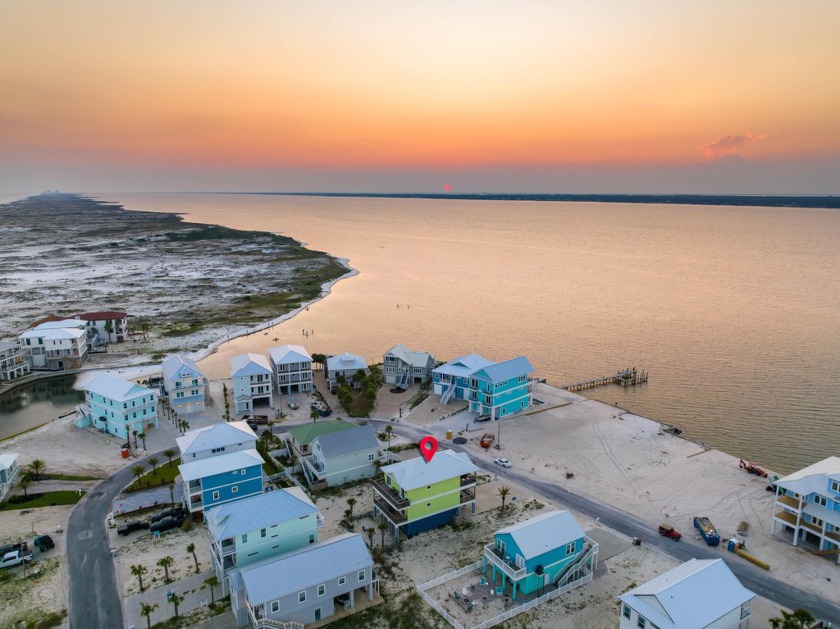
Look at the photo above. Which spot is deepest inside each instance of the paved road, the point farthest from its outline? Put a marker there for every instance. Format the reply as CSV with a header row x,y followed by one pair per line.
x,y
750,576
94,596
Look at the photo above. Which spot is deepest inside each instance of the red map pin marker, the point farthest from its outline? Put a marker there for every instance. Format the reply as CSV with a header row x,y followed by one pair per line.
x,y
428,447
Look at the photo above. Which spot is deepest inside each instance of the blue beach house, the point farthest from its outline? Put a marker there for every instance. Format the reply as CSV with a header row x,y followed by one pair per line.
x,y
490,388
118,406
184,384
220,479
548,551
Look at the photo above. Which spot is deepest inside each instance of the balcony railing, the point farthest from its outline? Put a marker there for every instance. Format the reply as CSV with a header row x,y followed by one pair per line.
x,y
467,480
194,486
467,495
392,514
397,501
503,563
789,502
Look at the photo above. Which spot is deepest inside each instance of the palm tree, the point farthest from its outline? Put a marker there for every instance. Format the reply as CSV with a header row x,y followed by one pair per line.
x,y
382,526
24,482
504,490
169,454
109,327
227,403
314,415
211,582
370,533
146,610
37,466
138,571
153,461
191,549
138,470
172,495
798,619
351,502
176,600
165,563
142,436
389,431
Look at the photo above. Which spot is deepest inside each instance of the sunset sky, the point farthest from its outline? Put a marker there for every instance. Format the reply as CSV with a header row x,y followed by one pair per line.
x,y
389,95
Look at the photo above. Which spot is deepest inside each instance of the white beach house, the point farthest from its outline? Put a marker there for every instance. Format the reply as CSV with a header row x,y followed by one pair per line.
x,y
104,327
292,369
343,368
807,507
9,471
184,384
118,406
219,438
699,594
251,382
55,345
402,366
12,363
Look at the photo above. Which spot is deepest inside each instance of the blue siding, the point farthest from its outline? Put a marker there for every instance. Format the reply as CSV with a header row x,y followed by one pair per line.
x,y
432,522
247,484
552,561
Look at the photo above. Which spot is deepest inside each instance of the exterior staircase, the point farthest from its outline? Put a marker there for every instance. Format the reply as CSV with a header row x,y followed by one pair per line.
x,y
447,395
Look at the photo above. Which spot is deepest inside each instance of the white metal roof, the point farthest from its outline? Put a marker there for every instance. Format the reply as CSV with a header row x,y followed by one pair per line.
x,y
543,533
180,366
507,370
289,354
55,334
75,324
814,478
249,365
416,473
117,389
410,357
292,572
464,365
7,460
257,512
203,468
356,439
691,596
217,435
4,345
346,361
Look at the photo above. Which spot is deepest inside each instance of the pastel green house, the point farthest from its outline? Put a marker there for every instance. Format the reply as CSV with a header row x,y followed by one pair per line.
x,y
415,496
548,551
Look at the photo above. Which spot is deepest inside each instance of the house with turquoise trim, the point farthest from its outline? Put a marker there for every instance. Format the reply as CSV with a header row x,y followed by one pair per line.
x,y
414,496
547,552
490,388
184,384
117,406
216,480
9,471
261,526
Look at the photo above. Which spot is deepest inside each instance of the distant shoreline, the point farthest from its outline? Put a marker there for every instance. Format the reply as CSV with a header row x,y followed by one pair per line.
x,y
737,200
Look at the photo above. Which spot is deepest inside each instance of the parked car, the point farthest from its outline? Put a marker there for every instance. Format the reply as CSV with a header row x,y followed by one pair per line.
x,y
502,462
15,558
7,548
44,543
482,418
666,530
167,523
293,403
174,511
131,526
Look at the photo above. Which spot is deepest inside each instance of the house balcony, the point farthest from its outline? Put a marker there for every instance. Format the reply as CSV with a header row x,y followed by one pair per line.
x,y
196,503
789,501
467,495
397,502
467,480
194,486
504,563
228,547
392,514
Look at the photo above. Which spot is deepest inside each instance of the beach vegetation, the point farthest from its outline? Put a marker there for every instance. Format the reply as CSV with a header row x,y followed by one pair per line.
x,y
36,467
163,475
46,499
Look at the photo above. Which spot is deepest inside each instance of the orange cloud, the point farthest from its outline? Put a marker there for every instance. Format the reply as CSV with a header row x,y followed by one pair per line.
x,y
730,145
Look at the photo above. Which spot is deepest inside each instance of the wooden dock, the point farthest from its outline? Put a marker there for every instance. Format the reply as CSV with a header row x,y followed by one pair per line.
x,y
626,378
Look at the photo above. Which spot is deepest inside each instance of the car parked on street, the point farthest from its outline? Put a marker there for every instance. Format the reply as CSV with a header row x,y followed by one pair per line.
x,y
667,530
167,523
7,548
15,558
502,462
131,526
293,403
44,543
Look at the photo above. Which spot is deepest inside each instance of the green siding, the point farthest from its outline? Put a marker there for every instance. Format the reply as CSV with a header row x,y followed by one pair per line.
x,y
426,501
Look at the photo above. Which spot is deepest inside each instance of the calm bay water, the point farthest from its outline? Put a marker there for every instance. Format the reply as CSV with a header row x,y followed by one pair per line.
x,y
732,310
38,403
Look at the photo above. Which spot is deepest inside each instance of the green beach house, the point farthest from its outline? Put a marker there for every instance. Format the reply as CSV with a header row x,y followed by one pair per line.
x,y
300,438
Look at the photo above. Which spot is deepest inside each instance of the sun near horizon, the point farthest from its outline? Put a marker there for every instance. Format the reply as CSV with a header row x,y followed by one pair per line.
x,y
379,96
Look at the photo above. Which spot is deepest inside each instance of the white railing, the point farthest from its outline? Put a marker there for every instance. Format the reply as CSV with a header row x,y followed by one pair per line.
x,y
268,623
440,610
501,564
448,577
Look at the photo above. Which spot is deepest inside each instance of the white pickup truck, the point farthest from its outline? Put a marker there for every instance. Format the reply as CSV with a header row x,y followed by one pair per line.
x,y
15,558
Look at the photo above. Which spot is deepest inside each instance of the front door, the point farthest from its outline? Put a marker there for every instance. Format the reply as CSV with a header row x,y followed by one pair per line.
x,y
317,614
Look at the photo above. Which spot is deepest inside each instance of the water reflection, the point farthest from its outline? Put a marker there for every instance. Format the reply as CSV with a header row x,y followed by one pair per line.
x,y
37,403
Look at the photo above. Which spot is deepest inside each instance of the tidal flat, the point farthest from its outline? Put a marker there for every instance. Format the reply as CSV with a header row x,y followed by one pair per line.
x,y
64,254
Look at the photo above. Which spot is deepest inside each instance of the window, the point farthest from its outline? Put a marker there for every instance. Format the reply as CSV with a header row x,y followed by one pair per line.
x,y
626,611
361,575
242,471
570,548
262,533
302,597
215,495
322,589
428,504
235,472
312,539
342,580
820,500
275,606
640,623
234,489
370,457
244,538
835,486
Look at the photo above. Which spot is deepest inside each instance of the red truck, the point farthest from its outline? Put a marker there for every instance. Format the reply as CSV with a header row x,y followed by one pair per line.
x,y
666,530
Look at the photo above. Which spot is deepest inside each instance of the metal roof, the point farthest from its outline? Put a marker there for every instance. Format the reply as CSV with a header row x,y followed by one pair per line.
x,y
217,435
814,478
220,464
289,354
544,533
691,596
410,357
305,434
116,389
257,512
173,365
506,370
359,438
55,324
249,365
464,365
4,345
292,572
416,473
7,460
55,334
346,361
